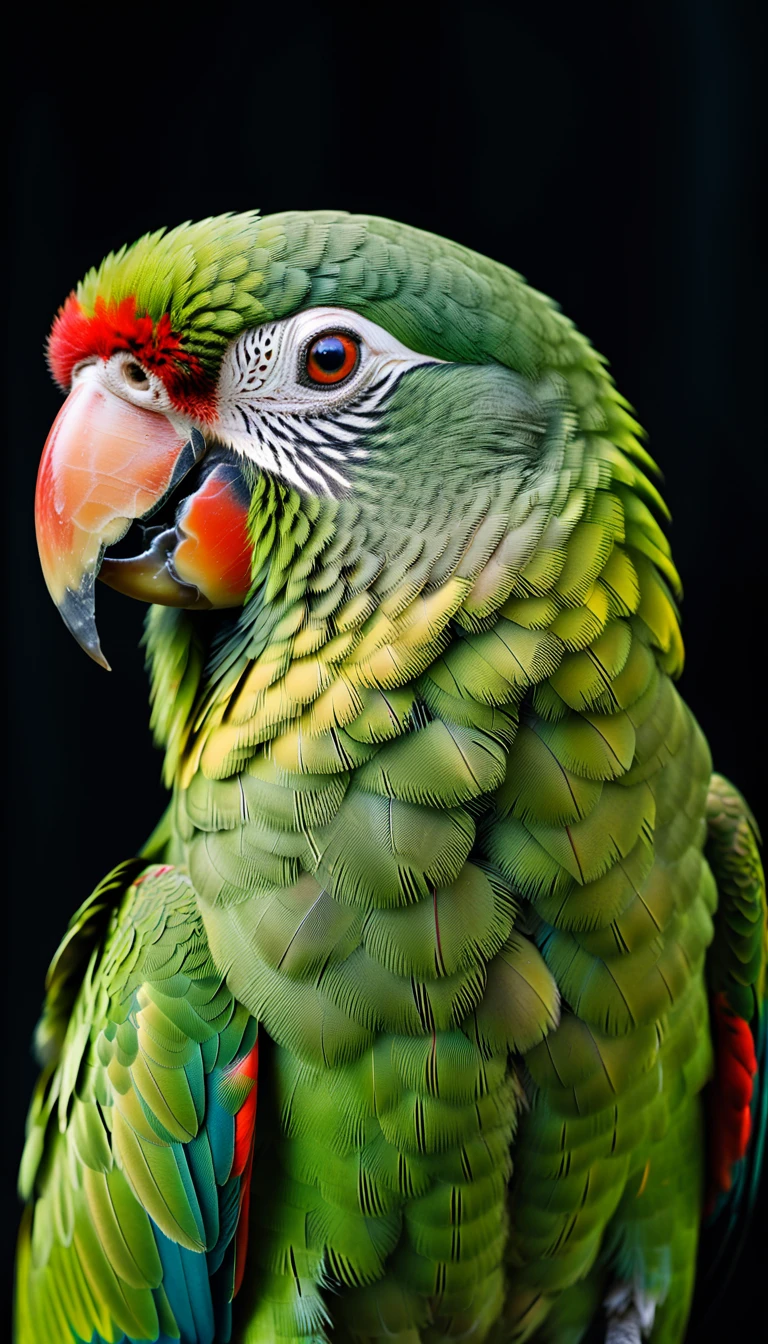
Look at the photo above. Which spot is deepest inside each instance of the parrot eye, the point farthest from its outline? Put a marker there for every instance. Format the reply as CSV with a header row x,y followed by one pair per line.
x,y
331,358
135,376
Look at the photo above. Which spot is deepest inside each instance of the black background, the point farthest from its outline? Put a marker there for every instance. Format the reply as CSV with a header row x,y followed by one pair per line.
x,y
612,155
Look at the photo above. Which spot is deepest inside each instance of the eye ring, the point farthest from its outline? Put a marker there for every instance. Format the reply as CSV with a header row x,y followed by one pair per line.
x,y
331,358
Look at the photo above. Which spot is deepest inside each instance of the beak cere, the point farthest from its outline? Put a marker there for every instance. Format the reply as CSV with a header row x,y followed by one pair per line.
x,y
106,463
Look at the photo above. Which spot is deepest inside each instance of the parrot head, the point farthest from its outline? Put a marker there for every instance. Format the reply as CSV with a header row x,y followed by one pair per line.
x,y
350,361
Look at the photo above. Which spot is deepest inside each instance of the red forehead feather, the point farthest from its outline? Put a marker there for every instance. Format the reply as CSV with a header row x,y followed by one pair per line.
x,y
76,336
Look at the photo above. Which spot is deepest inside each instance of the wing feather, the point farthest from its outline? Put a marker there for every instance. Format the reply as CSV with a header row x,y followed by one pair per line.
x,y
140,1142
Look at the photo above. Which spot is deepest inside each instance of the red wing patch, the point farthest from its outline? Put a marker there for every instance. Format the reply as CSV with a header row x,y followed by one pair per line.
x,y
245,1132
730,1096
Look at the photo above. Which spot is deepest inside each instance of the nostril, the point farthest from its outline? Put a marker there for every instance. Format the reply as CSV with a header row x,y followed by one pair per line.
x,y
135,376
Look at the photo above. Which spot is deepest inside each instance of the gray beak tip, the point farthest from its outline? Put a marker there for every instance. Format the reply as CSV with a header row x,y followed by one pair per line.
x,y
98,657
77,613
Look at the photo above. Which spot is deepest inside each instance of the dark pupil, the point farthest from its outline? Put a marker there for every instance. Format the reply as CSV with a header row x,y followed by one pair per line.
x,y
329,354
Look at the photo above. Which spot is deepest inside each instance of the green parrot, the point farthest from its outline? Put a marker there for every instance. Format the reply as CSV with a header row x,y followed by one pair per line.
x,y
445,878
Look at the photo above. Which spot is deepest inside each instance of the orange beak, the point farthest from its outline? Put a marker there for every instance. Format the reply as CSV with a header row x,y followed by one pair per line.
x,y
105,464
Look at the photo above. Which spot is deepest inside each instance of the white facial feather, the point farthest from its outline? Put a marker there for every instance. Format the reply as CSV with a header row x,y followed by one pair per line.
x,y
303,432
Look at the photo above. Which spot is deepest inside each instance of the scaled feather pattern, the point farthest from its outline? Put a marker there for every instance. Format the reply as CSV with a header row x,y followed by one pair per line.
x,y
444,856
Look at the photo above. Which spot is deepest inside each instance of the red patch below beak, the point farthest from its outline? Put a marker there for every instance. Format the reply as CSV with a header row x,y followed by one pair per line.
x,y
215,553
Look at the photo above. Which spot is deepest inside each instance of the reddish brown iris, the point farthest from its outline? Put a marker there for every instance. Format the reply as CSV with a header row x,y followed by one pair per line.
x,y
332,357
